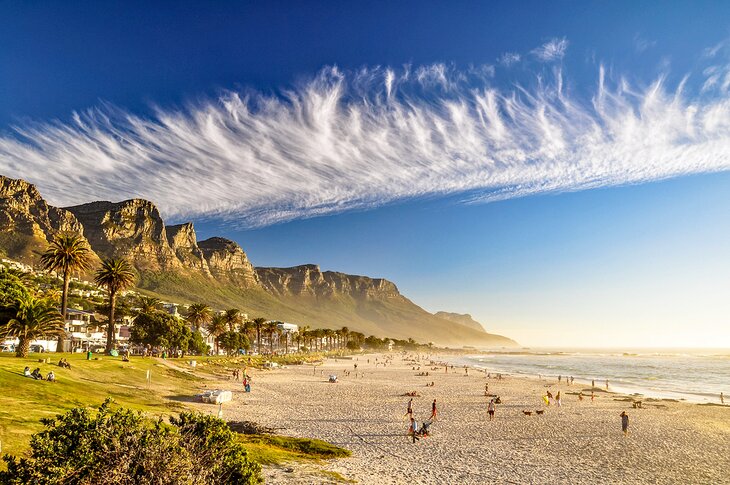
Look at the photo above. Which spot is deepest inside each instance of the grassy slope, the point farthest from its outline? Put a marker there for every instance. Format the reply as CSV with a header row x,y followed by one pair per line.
x,y
24,401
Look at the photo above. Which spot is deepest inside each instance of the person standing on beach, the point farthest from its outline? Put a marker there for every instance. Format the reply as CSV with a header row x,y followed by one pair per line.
x,y
607,384
557,399
722,398
413,429
560,378
625,423
490,409
593,396
433,410
409,409
593,383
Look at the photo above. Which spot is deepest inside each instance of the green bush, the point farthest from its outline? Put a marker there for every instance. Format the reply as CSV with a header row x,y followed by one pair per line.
x,y
122,447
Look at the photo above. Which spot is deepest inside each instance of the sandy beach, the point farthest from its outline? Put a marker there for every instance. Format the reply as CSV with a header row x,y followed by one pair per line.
x,y
579,442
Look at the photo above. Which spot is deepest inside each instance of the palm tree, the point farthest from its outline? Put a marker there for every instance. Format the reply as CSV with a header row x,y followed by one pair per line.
x,y
258,323
249,329
345,332
199,314
303,331
34,318
216,327
271,328
318,335
147,304
66,254
115,275
233,319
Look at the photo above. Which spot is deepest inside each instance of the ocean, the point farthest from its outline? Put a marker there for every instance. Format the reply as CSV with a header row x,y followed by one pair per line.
x,y
692,375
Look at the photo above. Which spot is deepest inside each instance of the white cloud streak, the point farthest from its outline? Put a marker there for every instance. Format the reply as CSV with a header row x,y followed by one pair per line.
x,y
510,58
553,50
346,141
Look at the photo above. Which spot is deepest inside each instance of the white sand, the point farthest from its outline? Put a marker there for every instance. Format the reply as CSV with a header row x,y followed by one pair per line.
x,y
580,442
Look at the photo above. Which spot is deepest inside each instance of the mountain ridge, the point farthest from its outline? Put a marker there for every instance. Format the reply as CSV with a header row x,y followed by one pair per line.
x,y
171,262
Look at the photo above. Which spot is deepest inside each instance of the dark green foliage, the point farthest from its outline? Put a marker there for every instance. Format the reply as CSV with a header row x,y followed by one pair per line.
x,y
122,447
12,290
158,329
232,341
215,449
197,344
374,342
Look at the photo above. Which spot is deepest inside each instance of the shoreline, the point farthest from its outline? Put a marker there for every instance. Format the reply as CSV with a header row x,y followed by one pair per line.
x,y
618,383
580,442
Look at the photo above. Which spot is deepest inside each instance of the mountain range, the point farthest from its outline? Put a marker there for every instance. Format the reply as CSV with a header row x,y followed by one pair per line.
x,y
172,264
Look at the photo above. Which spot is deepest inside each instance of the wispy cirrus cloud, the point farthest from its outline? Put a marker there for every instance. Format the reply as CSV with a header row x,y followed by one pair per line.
x,y
509,58
354,140
552,50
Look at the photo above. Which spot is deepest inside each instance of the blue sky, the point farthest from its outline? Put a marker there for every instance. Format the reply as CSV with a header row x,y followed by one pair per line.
x,y
556,169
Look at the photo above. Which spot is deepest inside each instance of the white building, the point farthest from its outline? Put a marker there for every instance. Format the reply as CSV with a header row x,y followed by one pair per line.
x,y
285,327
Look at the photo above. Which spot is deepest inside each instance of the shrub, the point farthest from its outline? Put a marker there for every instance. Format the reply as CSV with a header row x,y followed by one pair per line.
x,y
122,447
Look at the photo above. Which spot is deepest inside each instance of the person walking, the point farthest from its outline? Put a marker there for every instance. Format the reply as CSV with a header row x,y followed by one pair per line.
x,y
490,409
722,398
558,400
433,410
625,423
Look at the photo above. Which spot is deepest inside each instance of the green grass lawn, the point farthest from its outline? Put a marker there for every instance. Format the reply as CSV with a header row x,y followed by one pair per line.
x,y
24,401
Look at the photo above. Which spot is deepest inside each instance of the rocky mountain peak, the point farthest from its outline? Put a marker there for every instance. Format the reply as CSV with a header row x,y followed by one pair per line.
x,y
27,222
132,229
228,262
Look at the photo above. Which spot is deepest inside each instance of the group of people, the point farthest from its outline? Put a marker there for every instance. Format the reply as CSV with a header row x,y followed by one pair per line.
x,y
36,374
414,430
246,379
64,363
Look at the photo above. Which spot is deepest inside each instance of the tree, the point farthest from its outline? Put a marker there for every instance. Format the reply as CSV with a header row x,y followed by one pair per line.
x,y
345,332
233,319
303,334
121,446
271,328
216,327
233,341
34,318
66,254
159,329
12,290
148,304
258,323
199,314
115,275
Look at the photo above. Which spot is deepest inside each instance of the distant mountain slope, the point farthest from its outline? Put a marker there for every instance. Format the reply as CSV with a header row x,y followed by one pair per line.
x,y
462,318
173,264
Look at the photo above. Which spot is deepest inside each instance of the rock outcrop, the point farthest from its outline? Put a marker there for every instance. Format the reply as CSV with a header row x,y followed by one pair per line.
x,y
27,222
310,280
184,243
227,262
131,229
